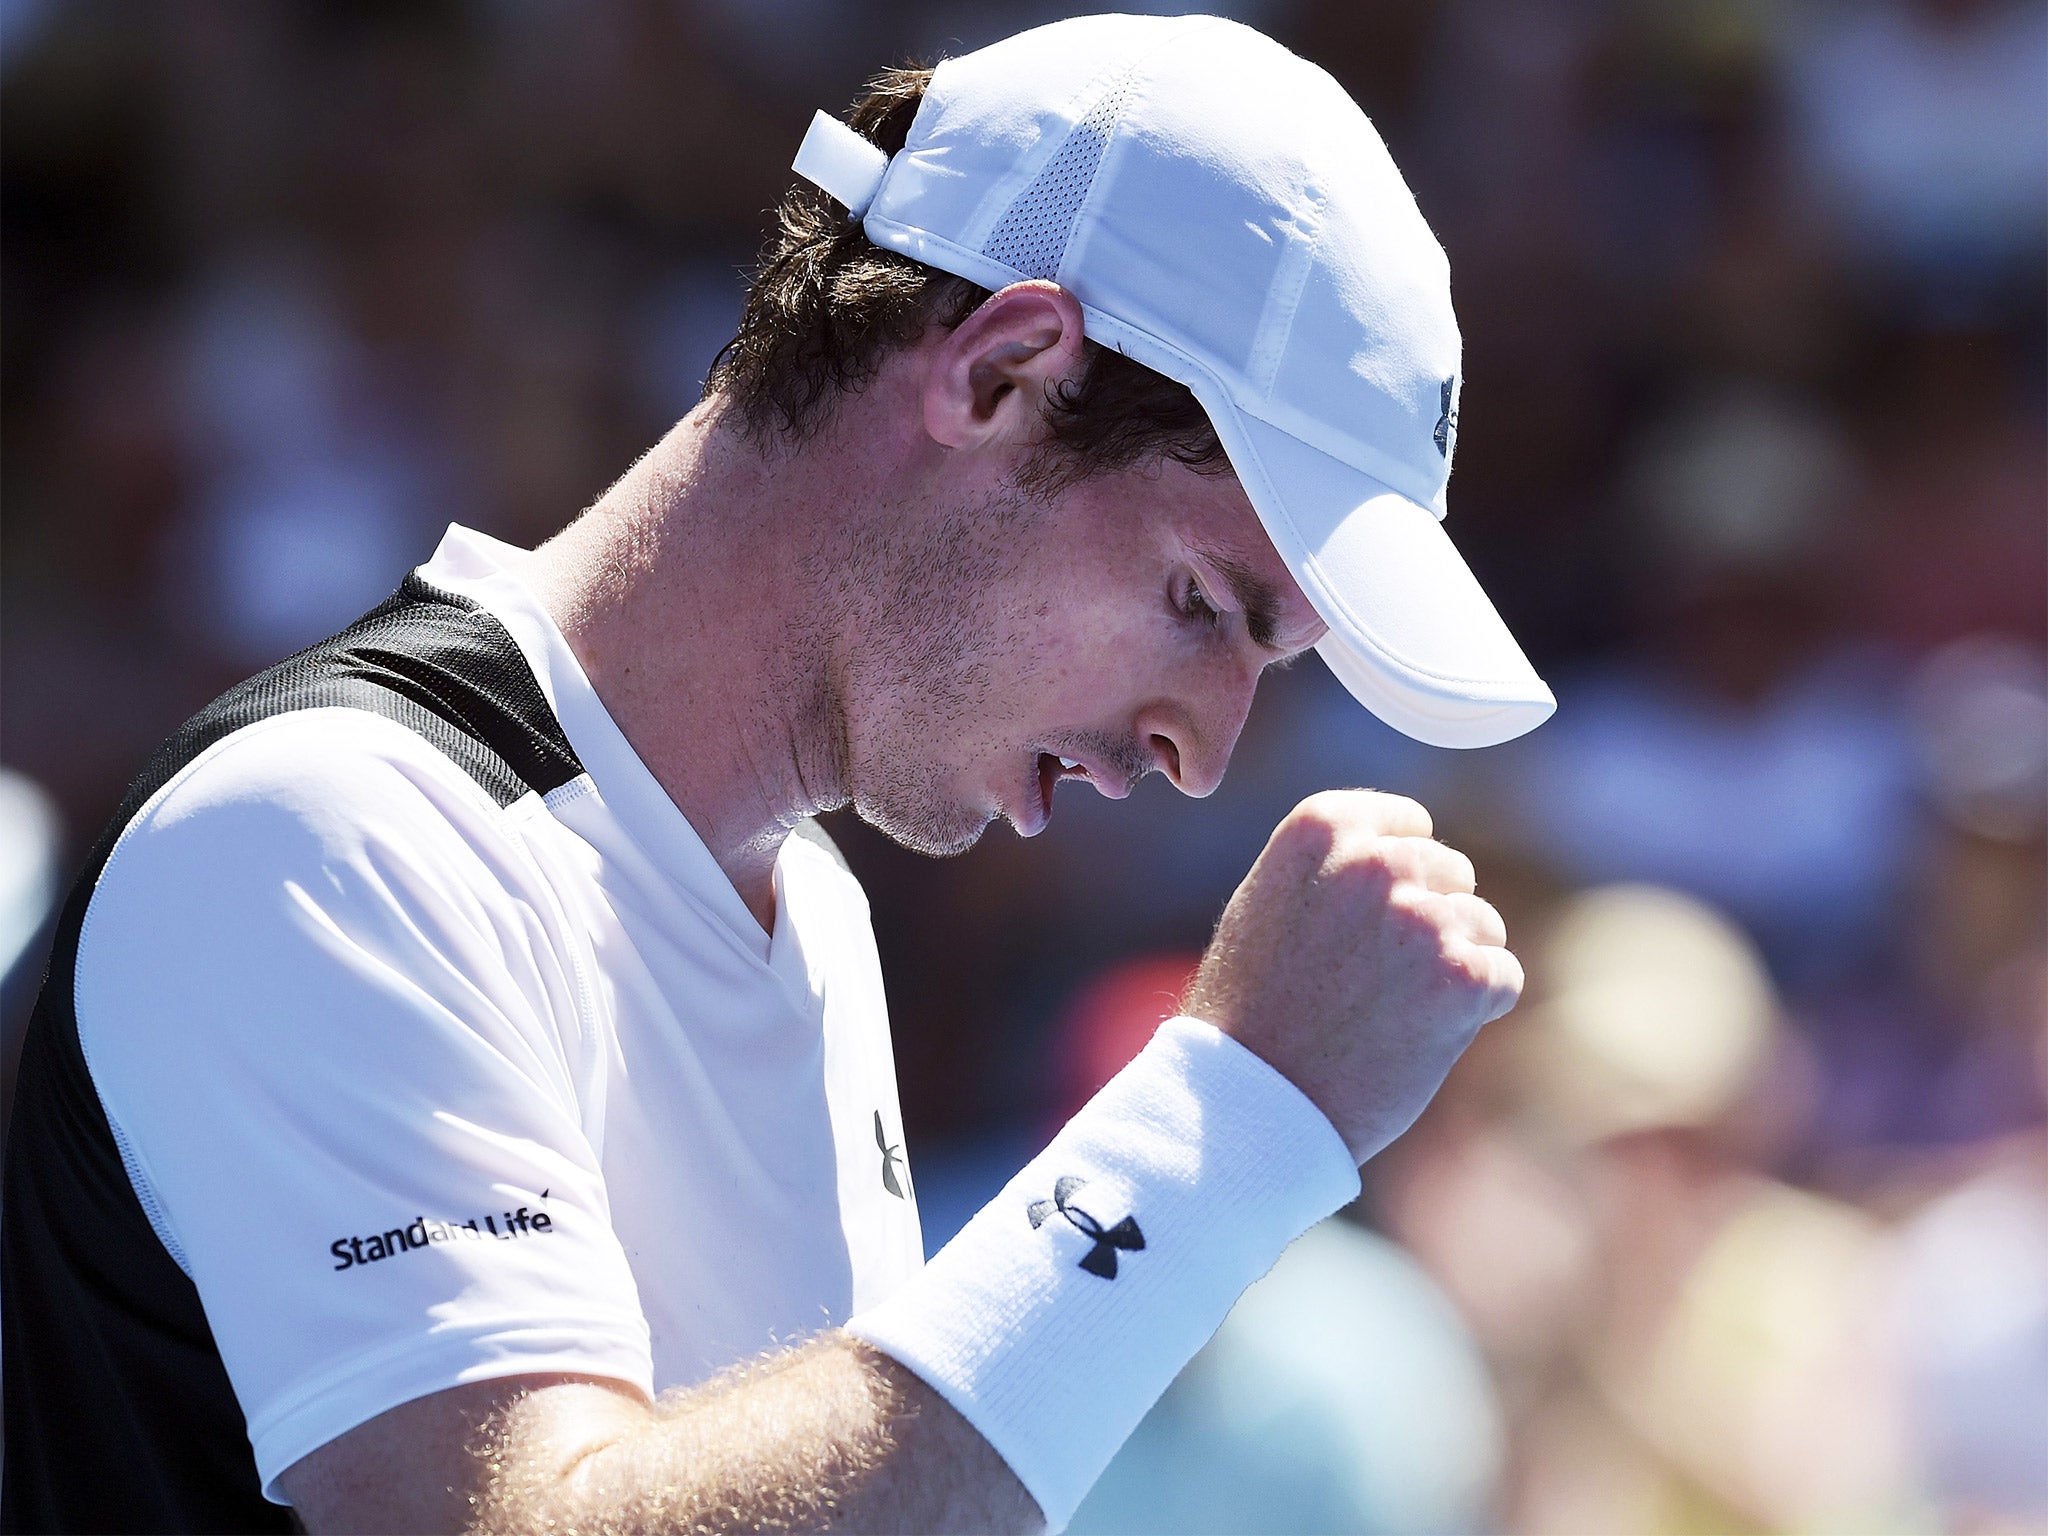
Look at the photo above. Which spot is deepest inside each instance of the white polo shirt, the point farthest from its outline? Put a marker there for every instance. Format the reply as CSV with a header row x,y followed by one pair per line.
x,y
421,1088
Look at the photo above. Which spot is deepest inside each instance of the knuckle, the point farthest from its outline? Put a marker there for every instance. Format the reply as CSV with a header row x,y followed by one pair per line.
x,y
1420,915
1501,982
1349,851
1438,910
1403,858
1511,979
1409,815
1305,835
1484,920
1369,872
1466,969
1462,870
1327,807
1374,810
1319,815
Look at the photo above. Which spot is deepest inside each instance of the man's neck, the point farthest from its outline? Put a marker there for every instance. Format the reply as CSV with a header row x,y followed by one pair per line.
x,y
688,593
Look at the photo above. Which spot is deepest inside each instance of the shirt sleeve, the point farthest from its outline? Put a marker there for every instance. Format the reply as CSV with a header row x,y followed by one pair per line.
x,y
338,1026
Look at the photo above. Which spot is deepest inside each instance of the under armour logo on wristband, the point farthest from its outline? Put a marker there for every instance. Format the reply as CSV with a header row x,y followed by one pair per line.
x,y
1101,1259
891,1156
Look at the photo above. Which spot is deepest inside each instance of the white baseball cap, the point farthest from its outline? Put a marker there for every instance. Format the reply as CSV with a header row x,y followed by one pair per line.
x,y
1228,217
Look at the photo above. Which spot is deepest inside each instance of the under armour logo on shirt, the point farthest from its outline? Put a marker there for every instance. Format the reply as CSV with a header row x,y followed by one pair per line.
x,y
1101,1259
891,1156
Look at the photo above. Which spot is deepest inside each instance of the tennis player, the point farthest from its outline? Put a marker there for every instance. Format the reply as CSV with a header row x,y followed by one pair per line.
x,y
462,1095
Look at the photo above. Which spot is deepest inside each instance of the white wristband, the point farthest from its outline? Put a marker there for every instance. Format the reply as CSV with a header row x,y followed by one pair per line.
x,y
1070,1302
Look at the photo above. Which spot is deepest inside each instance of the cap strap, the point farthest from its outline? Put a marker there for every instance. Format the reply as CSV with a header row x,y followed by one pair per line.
x,y
834,157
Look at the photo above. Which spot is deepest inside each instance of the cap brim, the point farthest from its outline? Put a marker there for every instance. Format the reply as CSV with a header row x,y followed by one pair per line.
x,y
1412,634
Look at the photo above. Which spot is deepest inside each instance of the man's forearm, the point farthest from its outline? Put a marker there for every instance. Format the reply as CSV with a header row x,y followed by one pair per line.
x,y
1054,1319
833,1434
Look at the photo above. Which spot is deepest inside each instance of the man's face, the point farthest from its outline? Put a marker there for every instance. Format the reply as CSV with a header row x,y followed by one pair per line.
x,y
1115,627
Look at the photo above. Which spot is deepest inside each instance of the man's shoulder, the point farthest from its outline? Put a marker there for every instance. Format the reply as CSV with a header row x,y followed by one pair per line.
x,y
319,767
410,728
439,664
425,691
332,810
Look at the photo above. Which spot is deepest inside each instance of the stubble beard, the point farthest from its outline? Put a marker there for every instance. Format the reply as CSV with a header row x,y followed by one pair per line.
x,y
933,628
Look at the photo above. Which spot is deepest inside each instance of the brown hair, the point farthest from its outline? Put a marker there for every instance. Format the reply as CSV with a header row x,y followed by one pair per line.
x,y
828,306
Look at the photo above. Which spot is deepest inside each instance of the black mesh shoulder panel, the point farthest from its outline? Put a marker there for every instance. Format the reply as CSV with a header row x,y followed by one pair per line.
x,y
119,1413
434,662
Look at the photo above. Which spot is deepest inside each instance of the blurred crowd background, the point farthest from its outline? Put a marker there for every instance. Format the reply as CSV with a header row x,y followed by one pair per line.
x,y
1740,1223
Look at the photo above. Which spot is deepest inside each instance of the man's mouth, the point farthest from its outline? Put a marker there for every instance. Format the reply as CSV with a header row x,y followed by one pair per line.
x,y
1052,767
1105,770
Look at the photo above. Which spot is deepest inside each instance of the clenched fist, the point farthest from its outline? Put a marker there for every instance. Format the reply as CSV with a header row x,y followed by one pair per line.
x,y
1356,959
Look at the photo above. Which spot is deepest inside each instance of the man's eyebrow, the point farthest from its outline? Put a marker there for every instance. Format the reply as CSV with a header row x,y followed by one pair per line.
x,y
1258,597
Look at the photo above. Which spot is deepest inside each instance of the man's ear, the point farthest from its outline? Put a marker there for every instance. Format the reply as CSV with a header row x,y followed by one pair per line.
x,y
988,378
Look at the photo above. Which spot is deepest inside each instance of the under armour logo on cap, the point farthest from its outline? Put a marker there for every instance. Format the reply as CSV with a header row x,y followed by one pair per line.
x,y
1447,424
891,1156
1101,1259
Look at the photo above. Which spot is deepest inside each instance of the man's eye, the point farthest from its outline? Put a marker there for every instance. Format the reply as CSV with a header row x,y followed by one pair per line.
x,y
1196,606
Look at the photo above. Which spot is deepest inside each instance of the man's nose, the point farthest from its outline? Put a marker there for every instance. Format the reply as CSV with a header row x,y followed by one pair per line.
x,y
1191,739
